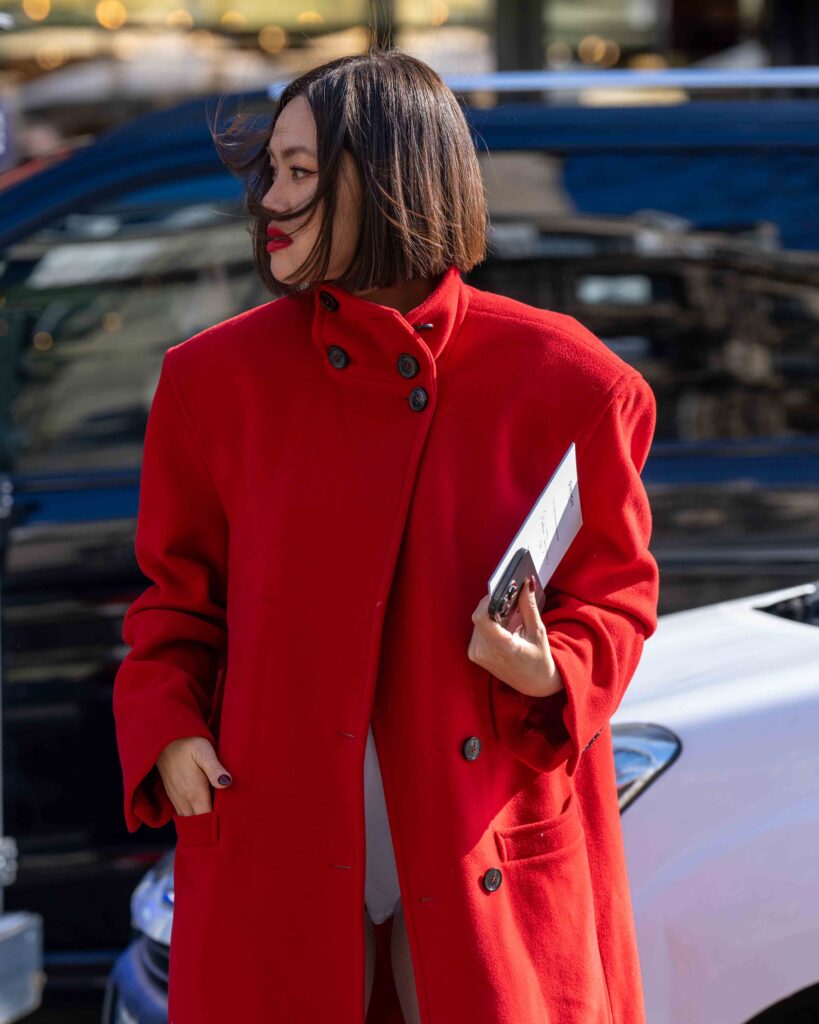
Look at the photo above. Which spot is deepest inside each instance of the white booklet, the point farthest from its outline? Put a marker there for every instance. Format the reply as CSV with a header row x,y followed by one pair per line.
x,y
551,525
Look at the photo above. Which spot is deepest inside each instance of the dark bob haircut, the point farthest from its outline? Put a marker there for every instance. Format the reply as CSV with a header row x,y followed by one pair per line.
x,y
423,205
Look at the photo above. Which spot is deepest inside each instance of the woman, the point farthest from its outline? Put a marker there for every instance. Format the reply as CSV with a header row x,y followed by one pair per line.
x,y
328,481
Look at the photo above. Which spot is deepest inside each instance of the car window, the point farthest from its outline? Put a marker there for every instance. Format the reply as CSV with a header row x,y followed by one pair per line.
x,y
91,302
698,268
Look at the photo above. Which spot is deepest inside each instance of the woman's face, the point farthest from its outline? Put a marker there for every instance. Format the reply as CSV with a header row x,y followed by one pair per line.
x,y
294,170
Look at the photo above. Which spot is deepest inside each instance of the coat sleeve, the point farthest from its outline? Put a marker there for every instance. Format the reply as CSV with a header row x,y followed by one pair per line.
x,y
602,598
176,629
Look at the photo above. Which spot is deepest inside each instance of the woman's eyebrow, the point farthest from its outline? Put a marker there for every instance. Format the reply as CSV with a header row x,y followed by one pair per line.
x,y
292,150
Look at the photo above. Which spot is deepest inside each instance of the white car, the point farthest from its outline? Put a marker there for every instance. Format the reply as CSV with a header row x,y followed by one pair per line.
x,y
718,773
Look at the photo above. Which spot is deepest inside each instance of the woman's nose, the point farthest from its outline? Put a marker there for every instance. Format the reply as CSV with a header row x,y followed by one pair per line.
x,y
267,201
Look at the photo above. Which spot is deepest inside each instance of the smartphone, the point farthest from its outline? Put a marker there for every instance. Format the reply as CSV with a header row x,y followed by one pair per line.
x,y
503,603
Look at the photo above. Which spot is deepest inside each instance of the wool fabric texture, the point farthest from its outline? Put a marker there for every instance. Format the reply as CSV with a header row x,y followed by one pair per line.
x,y
316,533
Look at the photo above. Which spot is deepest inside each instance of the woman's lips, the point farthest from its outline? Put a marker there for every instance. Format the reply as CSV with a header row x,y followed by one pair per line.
x,y
277,239
278,243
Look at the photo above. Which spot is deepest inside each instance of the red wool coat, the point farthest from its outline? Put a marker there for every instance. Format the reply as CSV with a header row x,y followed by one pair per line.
x,y
319,523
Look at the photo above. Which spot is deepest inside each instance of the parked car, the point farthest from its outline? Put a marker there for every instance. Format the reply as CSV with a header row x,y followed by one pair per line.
x,y
718,771
21,936
687,243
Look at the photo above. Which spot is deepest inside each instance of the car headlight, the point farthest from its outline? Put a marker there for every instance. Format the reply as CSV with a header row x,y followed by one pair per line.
x,y
152,901
641,752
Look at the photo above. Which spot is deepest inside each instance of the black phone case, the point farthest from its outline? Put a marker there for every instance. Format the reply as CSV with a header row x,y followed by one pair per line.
x,y
503,603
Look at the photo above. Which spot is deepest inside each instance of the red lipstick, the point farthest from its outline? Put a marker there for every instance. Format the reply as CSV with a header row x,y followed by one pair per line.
x,y
278,239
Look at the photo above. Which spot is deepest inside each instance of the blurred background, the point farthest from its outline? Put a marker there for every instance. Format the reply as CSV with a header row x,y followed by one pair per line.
x,y
655,175
69,68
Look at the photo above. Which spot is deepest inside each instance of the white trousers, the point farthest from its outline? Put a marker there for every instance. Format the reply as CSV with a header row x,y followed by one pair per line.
x,y
382,894
381,889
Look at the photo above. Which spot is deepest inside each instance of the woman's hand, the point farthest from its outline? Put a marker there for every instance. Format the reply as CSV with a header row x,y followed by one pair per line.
x,y
522,659
188,768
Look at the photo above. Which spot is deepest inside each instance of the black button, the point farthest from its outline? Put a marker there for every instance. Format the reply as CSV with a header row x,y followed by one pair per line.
x,y
337,356
407,365
418,399
328,301
492,879
423,327
471,748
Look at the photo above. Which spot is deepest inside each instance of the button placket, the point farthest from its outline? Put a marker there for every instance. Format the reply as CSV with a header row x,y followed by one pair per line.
x,y
365,364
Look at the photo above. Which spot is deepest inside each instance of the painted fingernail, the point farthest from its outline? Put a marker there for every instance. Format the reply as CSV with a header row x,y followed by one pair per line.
x,y
531,582
224,780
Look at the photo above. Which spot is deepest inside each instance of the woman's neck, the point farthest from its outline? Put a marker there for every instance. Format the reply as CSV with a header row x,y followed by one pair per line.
x,y
404,296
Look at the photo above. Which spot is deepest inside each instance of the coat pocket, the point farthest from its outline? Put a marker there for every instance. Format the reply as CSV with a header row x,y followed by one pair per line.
x,y
197,829
550,920
536,838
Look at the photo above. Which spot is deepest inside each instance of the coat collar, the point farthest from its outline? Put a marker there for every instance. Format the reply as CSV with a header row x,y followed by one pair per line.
x,y
375,337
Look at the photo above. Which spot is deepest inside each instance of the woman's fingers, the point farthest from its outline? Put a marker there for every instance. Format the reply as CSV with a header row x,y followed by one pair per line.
x,y
533,629
205,756
189,767
522,658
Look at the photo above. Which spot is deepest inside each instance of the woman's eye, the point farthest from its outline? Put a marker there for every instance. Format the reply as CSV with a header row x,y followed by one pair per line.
x,y
293,169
